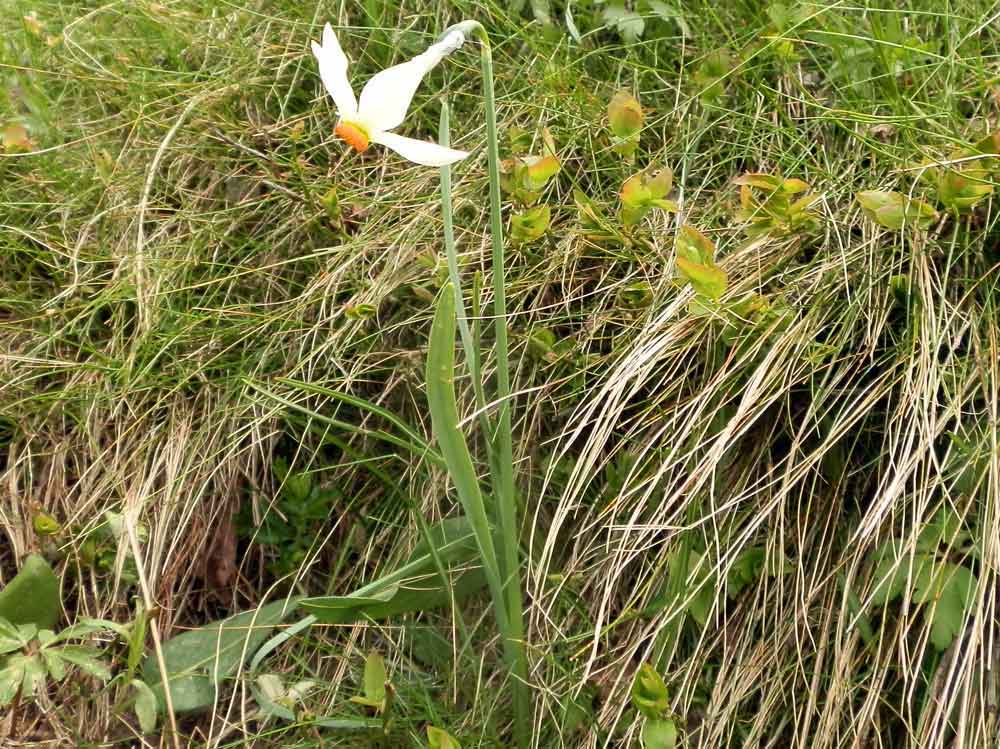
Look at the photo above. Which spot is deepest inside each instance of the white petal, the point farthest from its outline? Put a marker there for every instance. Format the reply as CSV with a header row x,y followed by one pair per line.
x,y
333,71
419,151
387,95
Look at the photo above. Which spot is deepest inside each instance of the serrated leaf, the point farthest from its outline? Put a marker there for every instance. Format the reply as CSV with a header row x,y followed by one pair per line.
x,y
892,574
54,664
85,658
629,24
13,637
33,674
956,593
10,681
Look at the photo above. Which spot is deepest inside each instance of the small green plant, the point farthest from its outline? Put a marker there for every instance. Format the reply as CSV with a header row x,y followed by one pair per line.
x,y
712,73
643,192
625,119
652,701
945,589
290,526
31,658
523,179
696,264
99,549
771,205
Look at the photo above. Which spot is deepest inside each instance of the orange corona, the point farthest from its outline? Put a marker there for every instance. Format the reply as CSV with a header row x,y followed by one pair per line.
x,y
355,137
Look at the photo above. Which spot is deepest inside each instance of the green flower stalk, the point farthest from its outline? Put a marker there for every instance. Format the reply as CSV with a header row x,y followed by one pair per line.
x,y
510,609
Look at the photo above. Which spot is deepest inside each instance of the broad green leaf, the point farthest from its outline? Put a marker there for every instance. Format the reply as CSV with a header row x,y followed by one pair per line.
x,y
944,528
670,13
530,225
649,693
659,734
894,210
694,246
269,691
375,678
10,680
440,739
745,570
960,188
32,597
629,24
33,673
625,115
197,661
45,525
453,540
415,586
540,169
768,182
707,280
145,706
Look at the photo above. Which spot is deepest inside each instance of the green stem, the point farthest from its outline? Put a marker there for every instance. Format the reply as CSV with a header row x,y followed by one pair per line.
x,y
451,253
501,440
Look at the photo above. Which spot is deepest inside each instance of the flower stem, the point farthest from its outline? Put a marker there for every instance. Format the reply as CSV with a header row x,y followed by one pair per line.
x,y
502,441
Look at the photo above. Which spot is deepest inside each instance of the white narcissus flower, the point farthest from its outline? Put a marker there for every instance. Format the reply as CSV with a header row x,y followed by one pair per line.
x,y
384,99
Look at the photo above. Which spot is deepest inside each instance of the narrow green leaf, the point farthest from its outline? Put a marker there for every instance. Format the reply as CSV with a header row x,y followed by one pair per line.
x,y
411,597
445,420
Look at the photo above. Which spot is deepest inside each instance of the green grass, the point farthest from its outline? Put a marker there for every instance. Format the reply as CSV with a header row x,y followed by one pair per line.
x,y
201,286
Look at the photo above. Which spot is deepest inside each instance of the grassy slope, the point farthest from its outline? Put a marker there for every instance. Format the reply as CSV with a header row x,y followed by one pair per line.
x,y
169,262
